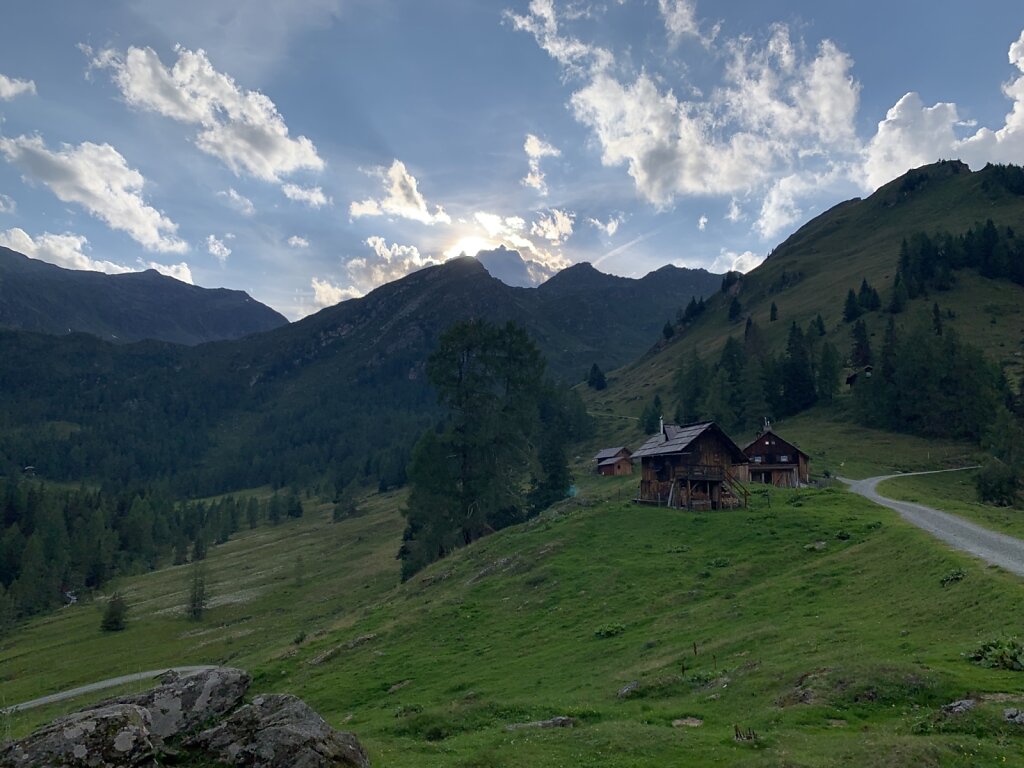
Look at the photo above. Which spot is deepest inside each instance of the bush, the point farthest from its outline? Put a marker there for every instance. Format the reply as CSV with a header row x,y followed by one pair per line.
x,y
115,615
1000,653
957,574
997,483
609,630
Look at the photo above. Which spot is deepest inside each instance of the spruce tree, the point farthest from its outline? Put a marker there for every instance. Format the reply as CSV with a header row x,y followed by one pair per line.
x,y
798,376
852,309
829,366
773,313
754,403
596,379
717,405
819,325
115,615
735,309
668,331
197,597
936,319
861,352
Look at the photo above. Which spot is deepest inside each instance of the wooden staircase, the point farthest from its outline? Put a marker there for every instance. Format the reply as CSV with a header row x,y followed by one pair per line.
x,y
738,494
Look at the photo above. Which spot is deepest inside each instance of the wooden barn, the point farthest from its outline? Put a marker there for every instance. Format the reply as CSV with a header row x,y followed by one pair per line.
x,y
774,461
696,466
614,462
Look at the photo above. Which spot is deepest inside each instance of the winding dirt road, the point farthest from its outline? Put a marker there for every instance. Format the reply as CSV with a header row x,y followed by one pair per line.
x,y
112,682
994,548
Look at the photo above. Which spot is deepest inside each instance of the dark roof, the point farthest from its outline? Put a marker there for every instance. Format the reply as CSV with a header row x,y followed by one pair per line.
x,y
612,461
608,453
777,436
674,439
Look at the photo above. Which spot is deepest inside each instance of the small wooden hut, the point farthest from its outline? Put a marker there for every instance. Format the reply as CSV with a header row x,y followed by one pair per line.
x,y
774,461
614,462
696,466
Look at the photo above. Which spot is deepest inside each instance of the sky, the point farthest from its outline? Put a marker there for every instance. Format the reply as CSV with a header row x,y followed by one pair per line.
x,y
309,151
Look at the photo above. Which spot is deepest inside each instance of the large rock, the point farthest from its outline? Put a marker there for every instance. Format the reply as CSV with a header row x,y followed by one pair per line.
x,y
111,736
185,702
279,731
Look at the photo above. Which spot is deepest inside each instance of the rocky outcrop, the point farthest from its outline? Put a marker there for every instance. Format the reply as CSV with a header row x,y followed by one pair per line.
x,y
183,703
198,717
108,736
279,731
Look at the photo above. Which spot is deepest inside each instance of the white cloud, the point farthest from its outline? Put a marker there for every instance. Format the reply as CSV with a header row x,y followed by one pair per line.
x,y
69,251
736,262
536,149
555,227
298,242
402,198
241,128
177,271
239,202
217,248
609,227
65,250
327,294
98,178
499,226
314,197
7,204
386,263
702,223
734,213
11,88
778,109
680,17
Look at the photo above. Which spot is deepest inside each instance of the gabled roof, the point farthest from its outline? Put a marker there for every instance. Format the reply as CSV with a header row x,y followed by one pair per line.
x,y
612,461
776,435
608,453
674,439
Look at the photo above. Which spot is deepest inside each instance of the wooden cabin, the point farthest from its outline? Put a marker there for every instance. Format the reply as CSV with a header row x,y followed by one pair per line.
x,y
696,466
614,462
774,461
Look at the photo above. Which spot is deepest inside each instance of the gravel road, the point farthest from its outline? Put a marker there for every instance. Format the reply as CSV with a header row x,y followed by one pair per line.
x,y
995,548
113,682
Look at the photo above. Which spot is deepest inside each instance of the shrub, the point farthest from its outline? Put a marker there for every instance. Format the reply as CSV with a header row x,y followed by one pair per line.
x,y
609,630
957,574
997,483
115,614
1000,653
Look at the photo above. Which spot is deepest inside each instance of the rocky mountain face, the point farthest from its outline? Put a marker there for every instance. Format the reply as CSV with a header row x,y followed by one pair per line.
x,y
196,719
37,296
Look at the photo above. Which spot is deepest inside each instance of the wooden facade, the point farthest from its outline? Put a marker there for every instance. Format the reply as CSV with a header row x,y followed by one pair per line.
x,y
696,466
775,461
614,462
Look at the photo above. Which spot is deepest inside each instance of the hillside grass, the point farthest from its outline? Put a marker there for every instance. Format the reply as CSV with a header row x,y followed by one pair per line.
x,y
839,653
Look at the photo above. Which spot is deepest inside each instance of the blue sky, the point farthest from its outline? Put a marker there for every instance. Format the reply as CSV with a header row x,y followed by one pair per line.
x,y
308,151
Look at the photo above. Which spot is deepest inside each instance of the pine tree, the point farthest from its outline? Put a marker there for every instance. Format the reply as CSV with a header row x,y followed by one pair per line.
x,y
596,379
828,373
861,352
735,309
717,404
115,615
197,597
691,387
651,416
936,319
819,325
852,310
755,406
899,299
798,376
773,313
668,331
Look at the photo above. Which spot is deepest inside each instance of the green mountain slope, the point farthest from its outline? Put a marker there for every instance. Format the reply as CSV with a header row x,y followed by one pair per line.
x,y
812,271
36,296
339,395
841,652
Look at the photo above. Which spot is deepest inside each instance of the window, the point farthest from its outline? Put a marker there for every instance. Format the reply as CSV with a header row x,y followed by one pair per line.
x,y
784,459
759,459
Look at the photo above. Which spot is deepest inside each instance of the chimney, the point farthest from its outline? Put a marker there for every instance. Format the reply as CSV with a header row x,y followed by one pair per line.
x,y
661,425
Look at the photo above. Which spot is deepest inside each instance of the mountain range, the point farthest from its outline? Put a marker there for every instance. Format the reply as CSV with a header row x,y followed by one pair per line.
x,y
37,296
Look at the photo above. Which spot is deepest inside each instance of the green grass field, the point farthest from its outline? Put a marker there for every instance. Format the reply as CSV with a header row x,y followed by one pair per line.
x,y
819,622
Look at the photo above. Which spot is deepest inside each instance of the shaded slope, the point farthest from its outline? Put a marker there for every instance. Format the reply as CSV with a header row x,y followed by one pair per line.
x,y
37,296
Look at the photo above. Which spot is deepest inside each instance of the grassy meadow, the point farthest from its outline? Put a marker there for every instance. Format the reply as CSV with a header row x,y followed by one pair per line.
x,y
814,620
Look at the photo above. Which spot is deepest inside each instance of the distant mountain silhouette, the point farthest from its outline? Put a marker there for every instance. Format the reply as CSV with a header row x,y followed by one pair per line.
x,y
37,296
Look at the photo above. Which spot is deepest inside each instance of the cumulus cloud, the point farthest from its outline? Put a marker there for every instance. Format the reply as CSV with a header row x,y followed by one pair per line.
x,y
609,227
575,56
536,149
555,227
298,242
242,128
402,198
384,264
736,262
217,248
11,88
7,204
680,17
239,202
734,213
327,294
177,271
702,223
96,177
67,250
513,269
314,197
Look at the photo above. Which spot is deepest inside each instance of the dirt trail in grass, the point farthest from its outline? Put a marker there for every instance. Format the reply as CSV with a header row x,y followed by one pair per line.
x,y
112,682
995,548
